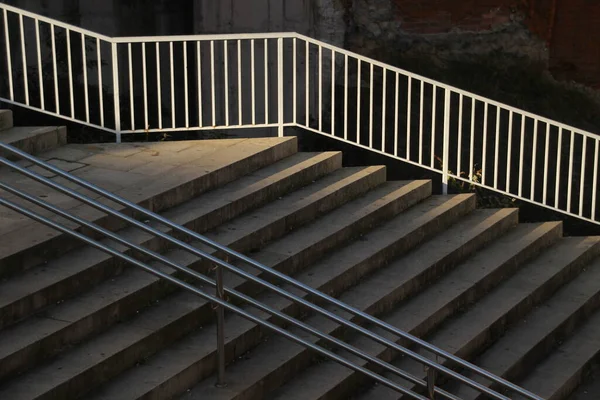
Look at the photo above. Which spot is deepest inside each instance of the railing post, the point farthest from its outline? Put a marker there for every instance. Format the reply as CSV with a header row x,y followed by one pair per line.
x,y
115,71
220,330
445,161
280,113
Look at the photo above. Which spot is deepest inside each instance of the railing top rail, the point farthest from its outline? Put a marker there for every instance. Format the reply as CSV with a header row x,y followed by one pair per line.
x,y
55,22
204,37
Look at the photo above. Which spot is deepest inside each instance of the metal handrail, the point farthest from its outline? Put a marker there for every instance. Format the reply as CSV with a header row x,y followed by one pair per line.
x,y
253,302
285,278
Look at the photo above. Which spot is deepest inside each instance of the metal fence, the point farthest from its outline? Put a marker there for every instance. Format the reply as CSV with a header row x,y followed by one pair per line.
x,y
276,80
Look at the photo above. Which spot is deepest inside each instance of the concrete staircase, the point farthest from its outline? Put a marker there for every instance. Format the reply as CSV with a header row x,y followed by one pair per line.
x,y
518,299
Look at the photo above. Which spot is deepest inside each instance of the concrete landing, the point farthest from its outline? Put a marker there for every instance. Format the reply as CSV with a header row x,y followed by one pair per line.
x,y
154,175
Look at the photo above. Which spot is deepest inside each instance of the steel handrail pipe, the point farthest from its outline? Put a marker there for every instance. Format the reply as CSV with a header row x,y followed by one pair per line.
x,y
253,302
213,299
197,252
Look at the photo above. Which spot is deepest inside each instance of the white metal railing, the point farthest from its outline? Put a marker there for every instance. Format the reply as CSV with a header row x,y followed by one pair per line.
x,y
275,80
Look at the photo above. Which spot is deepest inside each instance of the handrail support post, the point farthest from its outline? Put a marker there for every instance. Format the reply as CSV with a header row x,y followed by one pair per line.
x,y
220,329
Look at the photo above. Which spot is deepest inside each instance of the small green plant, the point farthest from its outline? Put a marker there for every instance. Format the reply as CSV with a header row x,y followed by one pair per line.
x,y
470,184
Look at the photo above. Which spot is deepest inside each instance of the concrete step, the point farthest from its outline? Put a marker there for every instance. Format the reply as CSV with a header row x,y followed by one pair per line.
x,y
471,332
268,369
6,119
83,267
33,140
176,373
130,170
170,320
422,313
115,300
559,375
590,387
527,342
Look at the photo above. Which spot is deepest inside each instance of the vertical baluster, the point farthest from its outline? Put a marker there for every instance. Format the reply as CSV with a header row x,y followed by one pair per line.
x,y
472,144
383,110
9,56
212,83
266,81
582,175
70,66
358,94
24,57
40,71
145,79
100,86
558,166
186,92
396,116
131,99
116,90
307,82
320,61
346,97
240,98
433,121
460,125
54,69
570,180
332,93
534,158
595,181
280,89
158,86
295,83
421,116
199,79
509,155
226,78
172,69
546,155
253,81
484,150
497,146
521,154
371,107
408,116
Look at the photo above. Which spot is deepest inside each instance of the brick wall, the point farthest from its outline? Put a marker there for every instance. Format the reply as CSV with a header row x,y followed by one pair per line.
x,y
438,16
571,28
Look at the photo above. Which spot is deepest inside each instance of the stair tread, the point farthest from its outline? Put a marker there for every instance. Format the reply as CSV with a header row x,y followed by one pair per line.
x,y
464,334
415,314
133,280
207,205
537,326
76,353
165,363
558,370
244,375
24,241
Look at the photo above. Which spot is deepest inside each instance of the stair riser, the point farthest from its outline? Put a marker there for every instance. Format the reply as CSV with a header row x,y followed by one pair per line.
x,y
111,266
61,243
292,265
479,289
241,344
563,331
354,381
6,119
479,343
135,301
43,141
